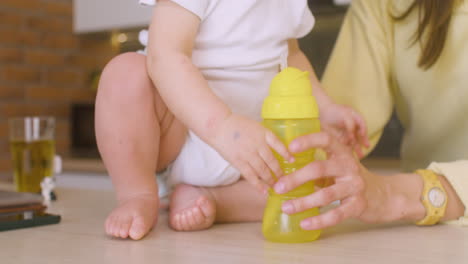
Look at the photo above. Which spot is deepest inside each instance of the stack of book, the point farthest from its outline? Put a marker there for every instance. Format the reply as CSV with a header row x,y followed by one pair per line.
x,y
21,210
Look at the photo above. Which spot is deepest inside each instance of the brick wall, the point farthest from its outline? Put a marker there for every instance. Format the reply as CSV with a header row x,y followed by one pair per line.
x,y
44,66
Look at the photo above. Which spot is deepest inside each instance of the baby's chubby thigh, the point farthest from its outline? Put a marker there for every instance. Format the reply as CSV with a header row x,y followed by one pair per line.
x,y
198,164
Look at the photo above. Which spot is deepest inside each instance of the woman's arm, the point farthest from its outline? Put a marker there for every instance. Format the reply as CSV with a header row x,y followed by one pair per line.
x,y
359,72
348,123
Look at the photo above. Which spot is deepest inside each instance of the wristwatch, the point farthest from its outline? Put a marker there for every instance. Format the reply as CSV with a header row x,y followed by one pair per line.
x,y
434,198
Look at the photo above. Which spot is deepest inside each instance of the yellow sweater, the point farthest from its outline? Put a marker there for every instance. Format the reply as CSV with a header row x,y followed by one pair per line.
x,y
374,69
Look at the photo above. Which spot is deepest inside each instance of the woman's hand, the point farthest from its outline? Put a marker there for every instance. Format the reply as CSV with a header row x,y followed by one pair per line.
x,y
362,194
247,145
347,125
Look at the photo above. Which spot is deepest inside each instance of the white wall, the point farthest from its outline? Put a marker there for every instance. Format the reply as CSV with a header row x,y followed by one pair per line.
x,y
103,15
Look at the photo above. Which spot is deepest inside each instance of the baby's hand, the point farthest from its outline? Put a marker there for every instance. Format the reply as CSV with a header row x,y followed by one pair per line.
x,y
347,125
247,145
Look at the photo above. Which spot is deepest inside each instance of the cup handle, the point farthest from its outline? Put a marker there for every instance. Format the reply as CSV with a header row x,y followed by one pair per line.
x,y
57,165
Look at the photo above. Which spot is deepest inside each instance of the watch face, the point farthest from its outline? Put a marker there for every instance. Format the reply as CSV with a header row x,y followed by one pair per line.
x,y
436,197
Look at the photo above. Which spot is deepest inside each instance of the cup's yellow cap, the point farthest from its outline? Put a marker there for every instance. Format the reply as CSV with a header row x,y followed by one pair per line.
x,y
290,97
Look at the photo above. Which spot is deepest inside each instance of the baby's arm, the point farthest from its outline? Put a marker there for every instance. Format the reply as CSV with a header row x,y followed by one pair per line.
x,y
243,142
298,59
350,125
181,85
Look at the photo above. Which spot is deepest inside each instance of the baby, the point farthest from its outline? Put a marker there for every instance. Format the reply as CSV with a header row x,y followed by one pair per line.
x,y
191,108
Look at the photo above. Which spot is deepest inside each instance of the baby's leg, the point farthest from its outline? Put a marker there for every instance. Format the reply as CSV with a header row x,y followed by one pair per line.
x,y
195,208
137,135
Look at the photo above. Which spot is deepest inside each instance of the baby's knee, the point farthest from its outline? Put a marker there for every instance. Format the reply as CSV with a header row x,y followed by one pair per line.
x,y
126,75
127,67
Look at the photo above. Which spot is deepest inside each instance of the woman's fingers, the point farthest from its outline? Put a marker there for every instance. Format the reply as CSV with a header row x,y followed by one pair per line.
x,y
320,198
358,150
312,171
321,140
362,129
346,210
350,127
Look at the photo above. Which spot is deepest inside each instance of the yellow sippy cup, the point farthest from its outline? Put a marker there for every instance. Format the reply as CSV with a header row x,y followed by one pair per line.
x,y
290,111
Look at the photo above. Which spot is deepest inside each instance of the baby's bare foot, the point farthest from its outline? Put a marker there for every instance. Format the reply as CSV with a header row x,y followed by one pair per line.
x,y
133,218
191,208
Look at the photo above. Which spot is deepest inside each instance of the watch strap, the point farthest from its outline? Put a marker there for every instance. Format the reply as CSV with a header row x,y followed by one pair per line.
x,y
432,185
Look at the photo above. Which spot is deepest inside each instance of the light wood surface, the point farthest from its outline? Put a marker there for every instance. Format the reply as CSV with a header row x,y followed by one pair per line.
x,y
87,165
83,165
79,238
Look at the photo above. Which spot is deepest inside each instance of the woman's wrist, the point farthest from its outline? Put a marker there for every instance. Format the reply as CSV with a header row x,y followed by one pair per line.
x,y
405,192
455,207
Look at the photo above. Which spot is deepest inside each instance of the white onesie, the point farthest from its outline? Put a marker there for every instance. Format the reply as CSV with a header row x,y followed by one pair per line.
x,y
239,48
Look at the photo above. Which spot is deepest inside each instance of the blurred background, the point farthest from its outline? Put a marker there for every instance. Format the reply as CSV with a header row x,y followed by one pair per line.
x,y
52,53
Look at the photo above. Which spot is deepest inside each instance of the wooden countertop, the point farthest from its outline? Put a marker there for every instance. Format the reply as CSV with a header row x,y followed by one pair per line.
x,y
80,238
96,165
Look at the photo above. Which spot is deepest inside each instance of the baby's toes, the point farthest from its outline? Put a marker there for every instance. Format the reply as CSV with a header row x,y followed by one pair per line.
x,y
207,208
198,216
112,226
117,227
174,221
191,221
125,225
138,228
184,221
108,225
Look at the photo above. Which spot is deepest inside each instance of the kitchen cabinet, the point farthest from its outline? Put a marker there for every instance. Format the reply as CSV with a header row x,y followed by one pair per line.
x,y
107,15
